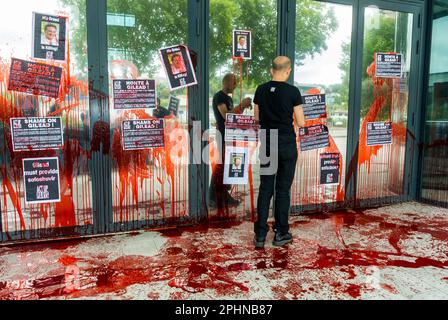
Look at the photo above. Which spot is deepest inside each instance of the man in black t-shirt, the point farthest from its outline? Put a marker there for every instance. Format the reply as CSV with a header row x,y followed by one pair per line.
x,y
276,105
219,195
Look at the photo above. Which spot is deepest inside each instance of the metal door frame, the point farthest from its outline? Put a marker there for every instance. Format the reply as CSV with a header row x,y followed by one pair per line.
x,y
413,154
415,91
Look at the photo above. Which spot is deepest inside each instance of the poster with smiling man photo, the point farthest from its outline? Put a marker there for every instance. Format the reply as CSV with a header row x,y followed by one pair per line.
x,y
49,37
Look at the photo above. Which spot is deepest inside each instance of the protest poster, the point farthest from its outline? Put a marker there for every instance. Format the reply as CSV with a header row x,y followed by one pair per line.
x,y
41,180
143,134
34,134
388,65
34,78
178,67
236,166
173,105
314,137
314,106
49,37
241,128
134,94
330,164
379,133
242,44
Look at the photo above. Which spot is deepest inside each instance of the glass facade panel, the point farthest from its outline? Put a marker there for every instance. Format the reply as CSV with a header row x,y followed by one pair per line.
x,y
435,169
70,105
385,99
331,49
225,16
149,184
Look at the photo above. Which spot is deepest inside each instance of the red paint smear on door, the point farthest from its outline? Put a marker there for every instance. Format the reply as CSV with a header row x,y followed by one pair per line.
x,y
65,212
133,167
12,194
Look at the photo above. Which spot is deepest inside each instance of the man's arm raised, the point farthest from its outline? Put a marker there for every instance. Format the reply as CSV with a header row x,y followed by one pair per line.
x,y
299,115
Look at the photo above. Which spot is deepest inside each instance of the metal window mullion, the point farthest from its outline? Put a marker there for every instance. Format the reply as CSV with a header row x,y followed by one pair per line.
x,y
286,27
416,87
198,41
100,164
354,114
425,59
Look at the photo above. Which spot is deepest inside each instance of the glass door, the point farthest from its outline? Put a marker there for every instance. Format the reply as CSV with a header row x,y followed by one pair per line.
x,y
149,179
386,100
322,73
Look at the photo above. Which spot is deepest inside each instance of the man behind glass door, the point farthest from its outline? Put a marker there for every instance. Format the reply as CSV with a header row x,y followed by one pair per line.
x,y
219,196
276,105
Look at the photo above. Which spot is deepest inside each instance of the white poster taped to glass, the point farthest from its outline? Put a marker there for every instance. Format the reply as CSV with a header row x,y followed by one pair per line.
x,y
236,166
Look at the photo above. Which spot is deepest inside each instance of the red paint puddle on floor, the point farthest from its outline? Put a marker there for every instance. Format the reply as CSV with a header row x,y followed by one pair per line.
x,y
295,291
174,251
354,291
67,260
389,288
199,259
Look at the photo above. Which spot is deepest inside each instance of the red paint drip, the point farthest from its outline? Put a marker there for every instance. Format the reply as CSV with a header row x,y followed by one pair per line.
x,y
65,212
354,291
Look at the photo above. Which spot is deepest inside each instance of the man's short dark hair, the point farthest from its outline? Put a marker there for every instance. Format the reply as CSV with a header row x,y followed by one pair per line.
x,y
228,77
50,26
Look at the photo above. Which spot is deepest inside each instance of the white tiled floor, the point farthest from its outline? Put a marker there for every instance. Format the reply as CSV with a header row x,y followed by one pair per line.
x,y
398,252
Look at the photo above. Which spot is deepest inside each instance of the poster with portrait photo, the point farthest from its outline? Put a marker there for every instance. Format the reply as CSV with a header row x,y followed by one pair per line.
x,y
242,44
49,37
178,67
236,166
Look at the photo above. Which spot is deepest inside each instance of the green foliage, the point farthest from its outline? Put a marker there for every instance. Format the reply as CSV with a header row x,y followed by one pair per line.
x,y
161,23
313,26
158,24
380,39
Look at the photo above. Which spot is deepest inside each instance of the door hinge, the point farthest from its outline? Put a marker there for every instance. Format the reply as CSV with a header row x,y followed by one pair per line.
x,y
418,47
419,20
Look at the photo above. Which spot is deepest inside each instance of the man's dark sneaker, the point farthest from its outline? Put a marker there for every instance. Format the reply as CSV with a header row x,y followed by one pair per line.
x,y
259,242
212,204
282,239
230,201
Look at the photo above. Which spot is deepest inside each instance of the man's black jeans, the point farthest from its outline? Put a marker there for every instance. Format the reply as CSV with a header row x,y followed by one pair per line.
x,y
280,182
218,191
